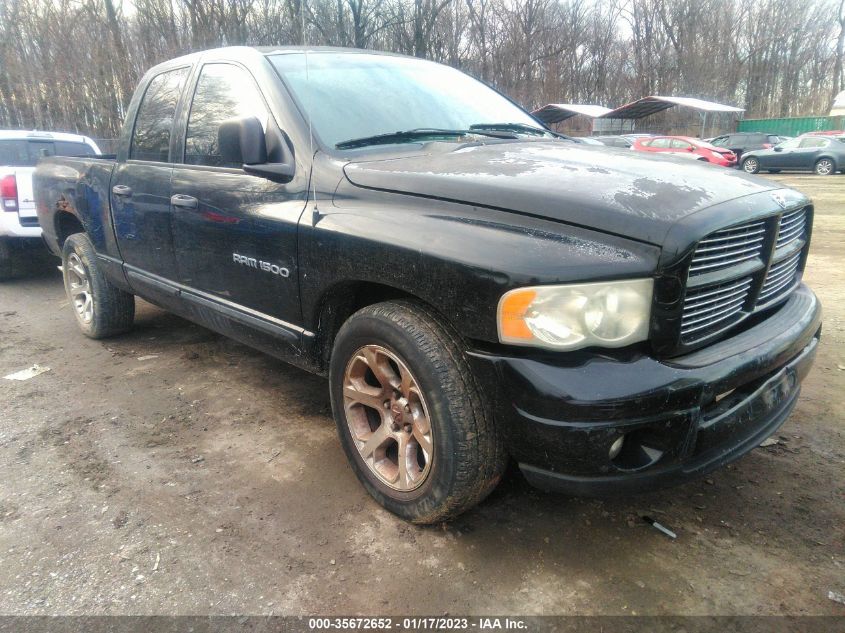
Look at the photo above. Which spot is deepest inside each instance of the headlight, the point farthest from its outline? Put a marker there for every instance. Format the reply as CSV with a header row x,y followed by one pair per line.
x,y
607,314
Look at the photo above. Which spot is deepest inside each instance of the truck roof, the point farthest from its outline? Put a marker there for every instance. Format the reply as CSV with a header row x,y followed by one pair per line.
x,y
234,52
17,135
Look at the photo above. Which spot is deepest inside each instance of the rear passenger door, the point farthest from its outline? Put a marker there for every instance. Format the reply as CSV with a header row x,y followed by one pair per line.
x,y
140,185
234,233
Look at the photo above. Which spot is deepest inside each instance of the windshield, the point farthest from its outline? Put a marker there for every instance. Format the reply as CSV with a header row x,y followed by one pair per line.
x,y
355,95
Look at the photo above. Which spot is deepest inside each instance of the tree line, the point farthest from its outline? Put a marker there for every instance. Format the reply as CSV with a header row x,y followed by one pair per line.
x,y
72,64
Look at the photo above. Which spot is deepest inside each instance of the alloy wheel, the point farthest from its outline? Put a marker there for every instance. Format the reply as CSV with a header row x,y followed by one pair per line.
x,y
388,418
750,165
824,167
79,288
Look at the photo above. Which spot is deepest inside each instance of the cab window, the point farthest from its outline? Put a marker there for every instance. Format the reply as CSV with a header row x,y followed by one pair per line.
x,y
154,121
223,92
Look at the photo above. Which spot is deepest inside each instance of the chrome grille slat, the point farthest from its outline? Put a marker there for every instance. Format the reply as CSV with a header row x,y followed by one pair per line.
x,y
780,276
711,322
728,247
729,253
721,264
697,301
722,238
707,249
792,226
695,317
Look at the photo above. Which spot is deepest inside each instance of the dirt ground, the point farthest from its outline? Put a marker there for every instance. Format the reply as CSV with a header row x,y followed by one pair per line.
x,y
172,471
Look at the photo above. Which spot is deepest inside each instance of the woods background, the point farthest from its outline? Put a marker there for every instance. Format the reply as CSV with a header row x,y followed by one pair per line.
x,y
72,65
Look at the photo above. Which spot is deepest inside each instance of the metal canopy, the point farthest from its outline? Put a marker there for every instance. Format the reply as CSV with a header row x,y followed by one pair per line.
x,y
651,105
557,112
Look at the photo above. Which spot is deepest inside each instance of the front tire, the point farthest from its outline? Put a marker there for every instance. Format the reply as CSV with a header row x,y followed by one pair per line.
x,y
414,424
751,165
824,167
101,309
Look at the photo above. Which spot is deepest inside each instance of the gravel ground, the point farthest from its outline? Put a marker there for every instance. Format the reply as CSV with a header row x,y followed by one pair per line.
x,y
172,471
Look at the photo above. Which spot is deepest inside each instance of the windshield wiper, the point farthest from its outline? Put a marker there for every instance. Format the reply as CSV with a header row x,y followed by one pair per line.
x,y
515,127
404,136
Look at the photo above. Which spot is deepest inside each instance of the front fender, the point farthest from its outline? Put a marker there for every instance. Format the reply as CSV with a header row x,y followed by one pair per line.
x,y
458,258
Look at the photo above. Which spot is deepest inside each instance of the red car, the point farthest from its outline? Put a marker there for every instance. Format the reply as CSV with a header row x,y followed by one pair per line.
x,y
687,145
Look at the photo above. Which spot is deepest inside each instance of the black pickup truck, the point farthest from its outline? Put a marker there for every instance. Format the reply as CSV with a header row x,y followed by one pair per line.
x,y
475,287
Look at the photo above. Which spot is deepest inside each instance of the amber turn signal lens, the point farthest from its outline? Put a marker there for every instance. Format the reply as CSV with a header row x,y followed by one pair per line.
x,y
512,312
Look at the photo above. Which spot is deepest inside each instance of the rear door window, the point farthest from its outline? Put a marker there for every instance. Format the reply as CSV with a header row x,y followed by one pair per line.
x,y
813,143
223,92
13,153
154,121
661,143
27,152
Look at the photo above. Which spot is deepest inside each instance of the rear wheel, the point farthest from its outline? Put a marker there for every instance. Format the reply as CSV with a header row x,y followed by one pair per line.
x,y
824,167
751,165
101,309
414,424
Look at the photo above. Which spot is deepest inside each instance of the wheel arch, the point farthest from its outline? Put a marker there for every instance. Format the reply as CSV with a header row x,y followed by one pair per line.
x,y
66,223
342,299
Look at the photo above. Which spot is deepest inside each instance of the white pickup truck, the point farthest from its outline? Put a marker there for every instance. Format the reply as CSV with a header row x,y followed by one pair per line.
x,y
20,151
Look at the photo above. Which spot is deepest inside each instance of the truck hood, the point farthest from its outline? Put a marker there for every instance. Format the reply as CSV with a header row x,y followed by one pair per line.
x,y
633,194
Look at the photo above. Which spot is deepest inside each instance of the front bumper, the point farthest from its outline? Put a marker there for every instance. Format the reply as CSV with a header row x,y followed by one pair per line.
x,y
681,417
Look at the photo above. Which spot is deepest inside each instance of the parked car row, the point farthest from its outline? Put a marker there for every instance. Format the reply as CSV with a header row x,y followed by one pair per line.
x,y
820,152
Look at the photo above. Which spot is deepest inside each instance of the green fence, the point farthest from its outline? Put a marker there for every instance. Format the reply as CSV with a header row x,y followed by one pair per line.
x,y
793,126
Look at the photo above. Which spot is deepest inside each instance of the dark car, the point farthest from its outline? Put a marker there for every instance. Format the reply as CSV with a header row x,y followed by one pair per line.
x,y
475,288
741,142
823,155
615,141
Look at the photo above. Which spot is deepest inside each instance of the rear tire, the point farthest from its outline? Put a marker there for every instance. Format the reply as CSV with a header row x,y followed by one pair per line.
x,y
824,167
101,309
751,165
396,368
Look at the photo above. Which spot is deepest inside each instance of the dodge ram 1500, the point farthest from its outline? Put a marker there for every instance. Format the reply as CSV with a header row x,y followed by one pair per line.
x,y
475,287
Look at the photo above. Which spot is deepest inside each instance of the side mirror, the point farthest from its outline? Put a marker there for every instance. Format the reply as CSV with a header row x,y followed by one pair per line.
x,y
778,148
690,148
243,142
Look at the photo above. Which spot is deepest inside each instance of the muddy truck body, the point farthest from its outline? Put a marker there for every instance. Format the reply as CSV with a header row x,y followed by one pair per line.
x,y
475,288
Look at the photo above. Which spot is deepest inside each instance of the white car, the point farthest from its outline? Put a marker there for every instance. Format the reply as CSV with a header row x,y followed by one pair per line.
x,y
20,151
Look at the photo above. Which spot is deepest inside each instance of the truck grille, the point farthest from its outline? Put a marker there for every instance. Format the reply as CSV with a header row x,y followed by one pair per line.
x,y
755,263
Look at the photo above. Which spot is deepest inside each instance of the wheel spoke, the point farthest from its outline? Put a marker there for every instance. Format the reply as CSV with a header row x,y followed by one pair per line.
x,y
405,479
368,399
423,441
381,368
374,442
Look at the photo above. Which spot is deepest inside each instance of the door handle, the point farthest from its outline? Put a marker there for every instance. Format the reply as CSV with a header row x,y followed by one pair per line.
x,y
122,190
183,201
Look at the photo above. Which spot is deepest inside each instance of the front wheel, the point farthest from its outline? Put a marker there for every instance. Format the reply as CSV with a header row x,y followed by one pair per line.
x,y
414,424
101,309
751,165
824,167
